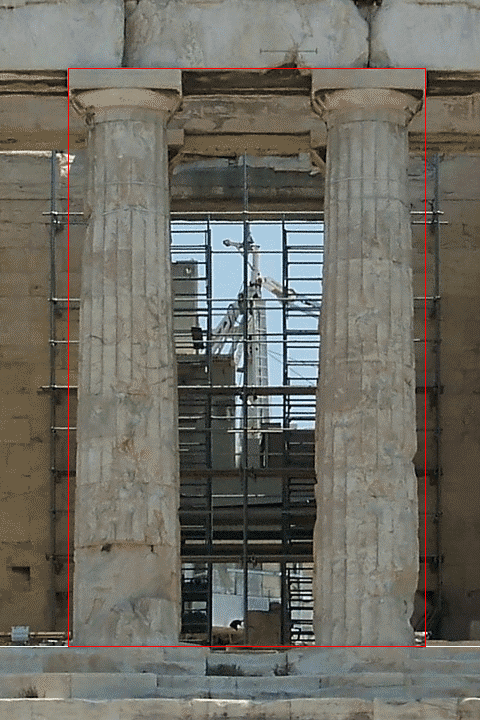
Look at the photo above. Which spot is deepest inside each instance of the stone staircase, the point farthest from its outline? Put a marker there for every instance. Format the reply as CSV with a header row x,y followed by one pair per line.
x,y
186,673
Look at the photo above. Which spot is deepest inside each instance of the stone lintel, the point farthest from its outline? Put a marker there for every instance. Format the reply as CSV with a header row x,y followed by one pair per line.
x,y
99,78
346,79
257,144
33,122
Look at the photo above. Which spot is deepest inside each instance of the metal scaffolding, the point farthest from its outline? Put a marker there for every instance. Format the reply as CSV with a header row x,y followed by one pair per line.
x,y
52,384
59,427
239,528
429,391
437,313
228,405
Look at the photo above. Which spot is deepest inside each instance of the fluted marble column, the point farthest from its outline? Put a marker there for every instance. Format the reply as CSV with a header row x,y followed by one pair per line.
x,y
127,536
365,542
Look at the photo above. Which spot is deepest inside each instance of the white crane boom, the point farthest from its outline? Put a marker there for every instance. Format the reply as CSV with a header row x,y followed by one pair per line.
x,y
226,331
277,290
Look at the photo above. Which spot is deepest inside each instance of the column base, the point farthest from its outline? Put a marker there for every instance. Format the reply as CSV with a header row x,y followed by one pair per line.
x,y
146,615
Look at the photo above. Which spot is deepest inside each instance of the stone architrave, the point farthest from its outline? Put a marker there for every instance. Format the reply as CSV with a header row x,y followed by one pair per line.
x,y
127,533
366,554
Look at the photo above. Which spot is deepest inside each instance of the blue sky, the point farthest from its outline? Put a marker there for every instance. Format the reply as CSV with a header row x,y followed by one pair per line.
x,y
228,279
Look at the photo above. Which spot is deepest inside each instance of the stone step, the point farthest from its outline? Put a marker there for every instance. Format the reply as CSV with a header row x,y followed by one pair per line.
x,y
295,709
290,663
446,666
253,664
238,687
365,685
198,661
433,685
185,660
438,660
81,685
98,686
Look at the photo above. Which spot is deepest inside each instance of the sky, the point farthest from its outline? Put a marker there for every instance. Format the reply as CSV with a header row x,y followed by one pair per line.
x,y
228,279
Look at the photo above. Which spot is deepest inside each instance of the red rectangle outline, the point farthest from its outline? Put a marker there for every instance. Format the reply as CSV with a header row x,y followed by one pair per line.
x,y
68,357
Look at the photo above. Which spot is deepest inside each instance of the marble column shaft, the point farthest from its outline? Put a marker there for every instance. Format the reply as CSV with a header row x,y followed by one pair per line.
x,y
365,539
127,534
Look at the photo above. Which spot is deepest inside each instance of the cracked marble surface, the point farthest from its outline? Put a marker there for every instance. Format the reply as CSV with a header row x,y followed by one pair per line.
x,y
243,33
91,34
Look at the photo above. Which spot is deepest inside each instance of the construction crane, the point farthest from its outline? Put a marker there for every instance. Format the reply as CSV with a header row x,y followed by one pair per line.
x,y
292,297
227,330
252,309
248,308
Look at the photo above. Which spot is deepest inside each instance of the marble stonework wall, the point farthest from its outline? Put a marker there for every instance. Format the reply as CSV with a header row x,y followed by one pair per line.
x,y
239,33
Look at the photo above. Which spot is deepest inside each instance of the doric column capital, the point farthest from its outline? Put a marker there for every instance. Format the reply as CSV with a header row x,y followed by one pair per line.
x,y
99,95
358,95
